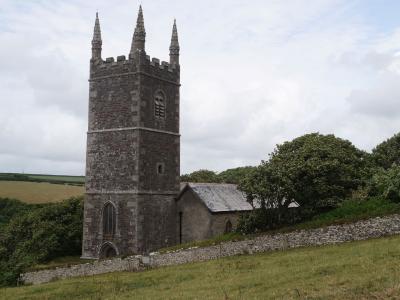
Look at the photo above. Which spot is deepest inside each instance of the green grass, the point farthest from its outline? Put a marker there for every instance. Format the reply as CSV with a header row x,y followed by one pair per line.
x,y
38,192
358,270
60,179
66,178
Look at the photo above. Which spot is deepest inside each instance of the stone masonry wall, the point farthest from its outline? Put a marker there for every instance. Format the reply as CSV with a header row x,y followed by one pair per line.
x,y
362,230
133,155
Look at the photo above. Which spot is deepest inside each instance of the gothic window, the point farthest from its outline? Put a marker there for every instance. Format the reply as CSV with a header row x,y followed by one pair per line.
x,y
109,219
228,226
159,105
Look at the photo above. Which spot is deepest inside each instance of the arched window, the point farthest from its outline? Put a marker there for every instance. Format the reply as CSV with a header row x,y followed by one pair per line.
x,y
160,168
228,226
109,219
159,105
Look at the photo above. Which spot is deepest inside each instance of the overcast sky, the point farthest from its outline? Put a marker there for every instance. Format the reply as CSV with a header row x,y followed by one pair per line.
x,y
254,74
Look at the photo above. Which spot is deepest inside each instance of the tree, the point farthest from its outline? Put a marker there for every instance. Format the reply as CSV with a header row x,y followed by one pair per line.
x,y
235,175
200,176
387,153
38,235
386,184
9,208
313,170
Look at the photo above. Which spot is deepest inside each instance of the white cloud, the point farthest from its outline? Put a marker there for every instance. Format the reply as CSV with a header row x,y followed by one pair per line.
x,y
253,75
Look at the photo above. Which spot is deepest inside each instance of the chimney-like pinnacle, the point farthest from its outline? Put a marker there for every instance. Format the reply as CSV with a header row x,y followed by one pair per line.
x,y
139,36
96,41
174,47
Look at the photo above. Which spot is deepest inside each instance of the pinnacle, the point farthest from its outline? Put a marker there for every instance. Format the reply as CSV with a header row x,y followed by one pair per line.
x,y
139,36
97,31
174,47
140,20
174,37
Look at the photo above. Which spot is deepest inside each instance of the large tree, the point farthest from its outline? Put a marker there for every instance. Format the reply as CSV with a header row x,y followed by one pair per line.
x,y
313,170
387,153
235,175
200,176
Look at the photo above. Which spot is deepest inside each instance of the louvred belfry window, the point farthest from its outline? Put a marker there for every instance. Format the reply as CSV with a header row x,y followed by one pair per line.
x,y
159,105
109,219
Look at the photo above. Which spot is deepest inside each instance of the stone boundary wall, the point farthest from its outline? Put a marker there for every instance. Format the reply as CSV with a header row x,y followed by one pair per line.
x,y
361,230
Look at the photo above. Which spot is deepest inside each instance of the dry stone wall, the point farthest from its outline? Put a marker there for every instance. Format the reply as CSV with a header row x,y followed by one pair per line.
x,y
362,230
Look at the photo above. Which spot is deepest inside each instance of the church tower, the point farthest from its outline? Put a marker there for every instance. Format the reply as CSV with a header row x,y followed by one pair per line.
x,y
133,149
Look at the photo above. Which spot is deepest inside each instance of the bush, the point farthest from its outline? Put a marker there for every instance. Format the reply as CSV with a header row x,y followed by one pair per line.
x,y
386,184
387,153
205,176
260,220
9,208
235,175
39,235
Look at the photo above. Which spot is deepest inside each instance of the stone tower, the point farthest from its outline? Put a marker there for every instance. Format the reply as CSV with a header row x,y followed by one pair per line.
x,y
133,150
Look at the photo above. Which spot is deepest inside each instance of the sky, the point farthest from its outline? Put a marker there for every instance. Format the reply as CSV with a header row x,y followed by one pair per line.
x,y
254,74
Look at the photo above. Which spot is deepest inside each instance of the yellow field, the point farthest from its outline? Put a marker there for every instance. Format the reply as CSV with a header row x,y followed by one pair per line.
x,y
38,192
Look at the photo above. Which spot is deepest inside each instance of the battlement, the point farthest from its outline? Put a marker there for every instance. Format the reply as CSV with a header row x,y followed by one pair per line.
x,y
133,64
121,58
155,63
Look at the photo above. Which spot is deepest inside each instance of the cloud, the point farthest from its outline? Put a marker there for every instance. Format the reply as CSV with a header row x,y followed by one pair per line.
x,y
381,100
253,75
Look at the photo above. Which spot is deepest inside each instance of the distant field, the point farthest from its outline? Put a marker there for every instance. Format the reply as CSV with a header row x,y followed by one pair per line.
x,y
59,177
38,192
78,180
357,270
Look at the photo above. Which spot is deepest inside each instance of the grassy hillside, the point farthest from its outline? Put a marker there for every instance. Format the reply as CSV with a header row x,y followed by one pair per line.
x,y
359,270
38,192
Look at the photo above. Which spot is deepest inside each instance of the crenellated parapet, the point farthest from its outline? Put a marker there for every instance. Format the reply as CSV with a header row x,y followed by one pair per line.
x,y
148,66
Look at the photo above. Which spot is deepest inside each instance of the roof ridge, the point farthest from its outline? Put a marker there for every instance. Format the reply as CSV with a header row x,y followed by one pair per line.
x,y
212,183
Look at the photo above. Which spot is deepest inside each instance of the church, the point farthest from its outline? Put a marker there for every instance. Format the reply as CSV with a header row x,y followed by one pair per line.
x,y
135,202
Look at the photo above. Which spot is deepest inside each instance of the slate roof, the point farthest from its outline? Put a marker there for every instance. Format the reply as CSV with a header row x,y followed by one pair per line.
x,y
220,197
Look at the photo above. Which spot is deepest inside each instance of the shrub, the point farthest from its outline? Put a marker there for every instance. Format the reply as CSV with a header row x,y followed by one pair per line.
x,y
387,153
260,220
9,208
386,184
201,176
39,235
235,175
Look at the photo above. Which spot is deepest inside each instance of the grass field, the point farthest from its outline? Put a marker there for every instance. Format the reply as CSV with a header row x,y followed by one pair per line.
x,y
78,179
61,179
38,192
358,270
